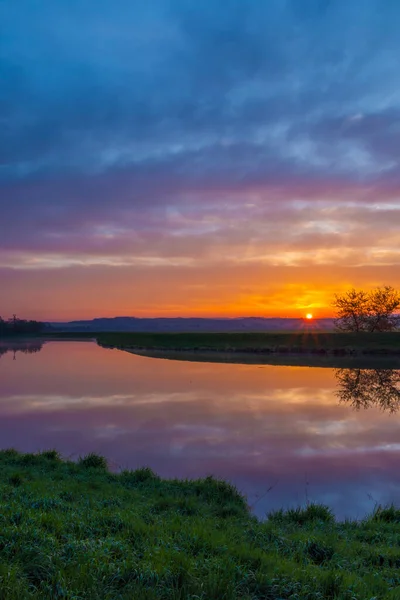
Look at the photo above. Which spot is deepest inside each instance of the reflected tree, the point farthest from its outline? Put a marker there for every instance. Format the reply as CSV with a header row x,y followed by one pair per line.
x,y
363,388
24,347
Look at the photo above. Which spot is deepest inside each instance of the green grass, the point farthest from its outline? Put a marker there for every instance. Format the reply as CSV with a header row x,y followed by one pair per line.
x,y
306,342
268,342
75,530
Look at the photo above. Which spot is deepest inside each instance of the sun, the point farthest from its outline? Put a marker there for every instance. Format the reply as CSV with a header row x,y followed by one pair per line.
x,y
309,316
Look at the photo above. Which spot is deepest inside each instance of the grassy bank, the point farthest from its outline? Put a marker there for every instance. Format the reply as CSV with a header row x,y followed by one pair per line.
x,y
347,343
74,530
309,343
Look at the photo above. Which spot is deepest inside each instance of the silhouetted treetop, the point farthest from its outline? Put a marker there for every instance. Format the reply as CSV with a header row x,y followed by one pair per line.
x,y
357,310
16,326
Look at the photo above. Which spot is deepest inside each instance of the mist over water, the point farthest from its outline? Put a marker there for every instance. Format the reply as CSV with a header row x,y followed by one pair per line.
x,y
310,434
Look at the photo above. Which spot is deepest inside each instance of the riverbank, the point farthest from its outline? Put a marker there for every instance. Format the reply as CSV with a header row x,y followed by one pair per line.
x,y
263,343
75,530
284,359
307,342
334,350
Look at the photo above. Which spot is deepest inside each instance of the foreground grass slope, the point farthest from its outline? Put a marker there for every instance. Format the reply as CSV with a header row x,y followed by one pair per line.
x,y
75,530
346,343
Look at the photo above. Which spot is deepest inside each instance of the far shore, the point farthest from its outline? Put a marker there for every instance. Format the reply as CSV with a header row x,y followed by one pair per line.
x,y
334,350
271,359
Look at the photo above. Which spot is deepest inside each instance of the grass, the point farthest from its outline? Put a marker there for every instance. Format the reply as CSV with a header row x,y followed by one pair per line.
x,y
258,342
307,343
75,530
307,348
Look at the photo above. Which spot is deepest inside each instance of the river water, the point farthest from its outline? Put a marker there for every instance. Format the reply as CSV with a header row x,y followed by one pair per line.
x,y
283,435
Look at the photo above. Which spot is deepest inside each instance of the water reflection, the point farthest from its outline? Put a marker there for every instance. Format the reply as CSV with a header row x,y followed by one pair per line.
x,y
360,388
364,388
256,426
26,347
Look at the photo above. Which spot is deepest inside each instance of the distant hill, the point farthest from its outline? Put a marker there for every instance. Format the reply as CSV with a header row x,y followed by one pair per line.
x,y
195,324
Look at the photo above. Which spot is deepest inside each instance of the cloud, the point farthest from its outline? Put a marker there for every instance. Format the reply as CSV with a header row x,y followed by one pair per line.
x,y
217,289
179,133
100,86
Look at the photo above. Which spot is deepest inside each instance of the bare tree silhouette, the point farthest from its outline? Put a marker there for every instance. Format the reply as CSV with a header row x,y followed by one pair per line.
x,y
357,310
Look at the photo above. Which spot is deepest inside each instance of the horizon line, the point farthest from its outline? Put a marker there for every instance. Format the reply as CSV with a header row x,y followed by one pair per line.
x,y
190,317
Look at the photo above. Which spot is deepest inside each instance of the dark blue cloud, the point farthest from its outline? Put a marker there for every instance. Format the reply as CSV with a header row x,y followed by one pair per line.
x,y
90,86
109,110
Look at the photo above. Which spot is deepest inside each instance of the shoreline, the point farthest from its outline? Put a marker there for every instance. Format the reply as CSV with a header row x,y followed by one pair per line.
x,y
287,359
325,350
296,349
332,350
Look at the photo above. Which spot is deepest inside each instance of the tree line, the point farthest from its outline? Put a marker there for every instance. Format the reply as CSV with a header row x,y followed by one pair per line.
x,y
376,310
15,326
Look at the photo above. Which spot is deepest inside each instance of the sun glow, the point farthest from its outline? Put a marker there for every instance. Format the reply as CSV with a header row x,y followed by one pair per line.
x,y
309,316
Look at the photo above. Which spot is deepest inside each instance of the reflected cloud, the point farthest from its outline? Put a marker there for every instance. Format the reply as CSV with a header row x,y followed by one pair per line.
x,y
253,426
363,388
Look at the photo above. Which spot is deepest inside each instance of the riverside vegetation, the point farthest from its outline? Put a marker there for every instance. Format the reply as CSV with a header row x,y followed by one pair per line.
x,y
75,530
307,342
387,343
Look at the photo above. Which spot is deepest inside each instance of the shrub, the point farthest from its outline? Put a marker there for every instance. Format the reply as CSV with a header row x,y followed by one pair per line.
x,y
139,476
51,455
29,459
219,491
93,461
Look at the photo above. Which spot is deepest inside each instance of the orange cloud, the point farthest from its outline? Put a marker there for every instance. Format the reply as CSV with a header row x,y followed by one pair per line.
x,y
213,290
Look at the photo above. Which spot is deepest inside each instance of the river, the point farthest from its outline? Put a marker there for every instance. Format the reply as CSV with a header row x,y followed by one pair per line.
x,y
284,436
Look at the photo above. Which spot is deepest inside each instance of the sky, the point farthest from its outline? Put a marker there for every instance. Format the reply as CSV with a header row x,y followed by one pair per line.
x,y
186,158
